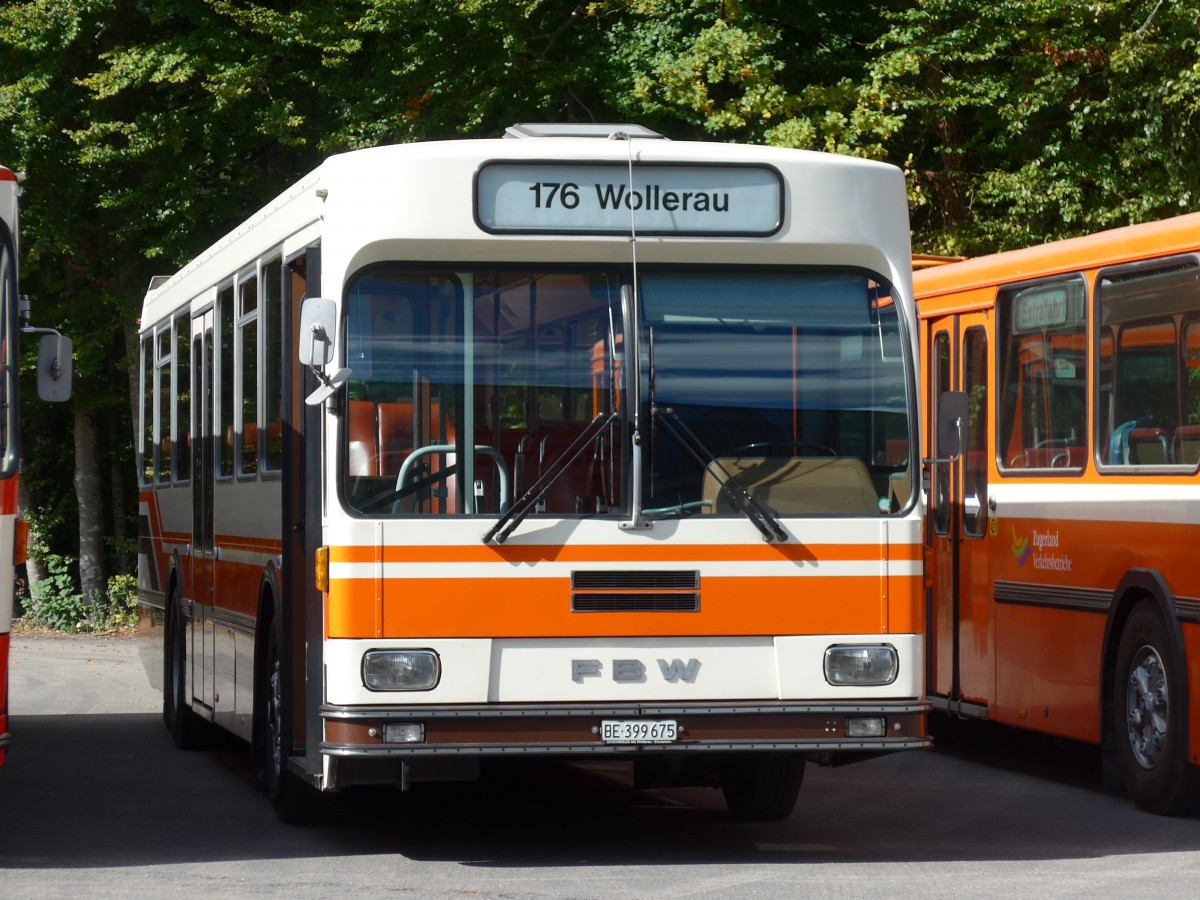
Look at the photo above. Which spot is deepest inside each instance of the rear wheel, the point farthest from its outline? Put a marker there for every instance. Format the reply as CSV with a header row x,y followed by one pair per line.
x,y
185,726
762,786
1149,703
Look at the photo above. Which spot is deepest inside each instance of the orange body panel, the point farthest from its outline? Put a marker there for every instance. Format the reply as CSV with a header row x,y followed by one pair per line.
x,y
457,606
541,607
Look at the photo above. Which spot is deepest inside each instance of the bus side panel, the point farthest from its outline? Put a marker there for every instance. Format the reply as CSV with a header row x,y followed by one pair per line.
x,y
1047,663
1191,643
1049,637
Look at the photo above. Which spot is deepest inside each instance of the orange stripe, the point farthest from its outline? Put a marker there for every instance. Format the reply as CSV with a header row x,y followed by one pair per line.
x,y
541,607
611,553
244,542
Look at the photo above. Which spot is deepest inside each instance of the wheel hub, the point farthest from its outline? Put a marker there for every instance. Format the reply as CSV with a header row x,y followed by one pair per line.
x,y
1147,707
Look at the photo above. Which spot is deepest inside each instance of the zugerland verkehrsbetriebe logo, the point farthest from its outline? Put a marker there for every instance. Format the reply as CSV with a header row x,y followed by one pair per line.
x,y
1043,548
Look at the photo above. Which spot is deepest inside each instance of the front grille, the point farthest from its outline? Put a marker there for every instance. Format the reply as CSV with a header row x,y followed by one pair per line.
x,y
635,591
640,602
635,581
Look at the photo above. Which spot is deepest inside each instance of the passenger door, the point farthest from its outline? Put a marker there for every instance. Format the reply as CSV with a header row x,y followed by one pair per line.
x,y
200,648
960,630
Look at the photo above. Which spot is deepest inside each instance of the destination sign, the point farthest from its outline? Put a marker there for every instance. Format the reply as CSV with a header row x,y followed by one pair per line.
x,y
599,198
1048,306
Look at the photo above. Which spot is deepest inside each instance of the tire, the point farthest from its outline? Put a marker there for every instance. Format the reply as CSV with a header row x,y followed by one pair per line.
x,y
185,726
1149,719
295,802
762,787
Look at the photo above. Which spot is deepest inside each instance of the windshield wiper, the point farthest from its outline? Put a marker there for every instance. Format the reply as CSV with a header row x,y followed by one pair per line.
x,y
508,522
742,500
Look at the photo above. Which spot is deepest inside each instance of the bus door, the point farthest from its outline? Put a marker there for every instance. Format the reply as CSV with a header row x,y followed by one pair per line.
x,y
300,616
200,648
960,632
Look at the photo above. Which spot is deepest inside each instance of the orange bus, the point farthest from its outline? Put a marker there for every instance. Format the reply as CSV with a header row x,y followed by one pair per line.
x,y
54,381
1062,591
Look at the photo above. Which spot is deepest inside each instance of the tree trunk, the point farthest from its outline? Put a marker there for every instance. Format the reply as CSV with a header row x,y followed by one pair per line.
x,y
88,495
116,479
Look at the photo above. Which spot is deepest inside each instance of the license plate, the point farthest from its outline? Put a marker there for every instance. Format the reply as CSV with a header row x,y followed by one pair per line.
x,y
638,731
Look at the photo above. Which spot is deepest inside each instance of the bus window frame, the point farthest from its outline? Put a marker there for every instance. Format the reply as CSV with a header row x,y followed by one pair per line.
x,y
243,320
181,327
145,466
975,528
1143,269
163,360
1004,296
271,266
224,304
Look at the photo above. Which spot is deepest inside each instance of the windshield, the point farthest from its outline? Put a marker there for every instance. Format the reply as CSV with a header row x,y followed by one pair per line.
x,y
472,390
790,383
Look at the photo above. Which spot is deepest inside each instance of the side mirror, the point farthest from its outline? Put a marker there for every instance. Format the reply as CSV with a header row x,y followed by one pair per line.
x,y
951,424
54,368
318,330
318,333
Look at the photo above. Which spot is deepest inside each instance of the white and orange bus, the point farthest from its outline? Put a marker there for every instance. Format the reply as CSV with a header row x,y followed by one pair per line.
x,y
583,443
54,383
1064,596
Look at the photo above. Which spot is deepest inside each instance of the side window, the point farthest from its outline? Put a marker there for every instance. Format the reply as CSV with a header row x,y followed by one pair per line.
x,y
1043,376
146,450
181,444
1185,446
162,368
271,316
246,421
975,463
225,435
1147,406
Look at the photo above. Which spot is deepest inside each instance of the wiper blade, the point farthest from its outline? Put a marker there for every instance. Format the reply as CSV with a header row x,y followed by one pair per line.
x,y
508,522
767,524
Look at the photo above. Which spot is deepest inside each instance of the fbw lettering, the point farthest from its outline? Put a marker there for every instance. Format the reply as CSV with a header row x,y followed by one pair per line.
x,y
633,671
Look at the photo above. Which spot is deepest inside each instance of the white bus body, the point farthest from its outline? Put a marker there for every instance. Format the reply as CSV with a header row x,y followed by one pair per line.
x,y
724,576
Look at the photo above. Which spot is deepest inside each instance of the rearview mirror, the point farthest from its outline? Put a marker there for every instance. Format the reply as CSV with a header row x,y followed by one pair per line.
x,y
54,368
318,331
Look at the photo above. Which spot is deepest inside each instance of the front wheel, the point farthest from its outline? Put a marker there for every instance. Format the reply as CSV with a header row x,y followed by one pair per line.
x,y
1148,718
295,802
762,787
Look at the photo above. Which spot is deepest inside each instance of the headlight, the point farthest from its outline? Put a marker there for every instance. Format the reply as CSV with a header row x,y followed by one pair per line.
x,y
870,664
401,670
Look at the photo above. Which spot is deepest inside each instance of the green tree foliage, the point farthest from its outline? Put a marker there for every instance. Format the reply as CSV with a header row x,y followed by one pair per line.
x,y
150,127
1029,120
